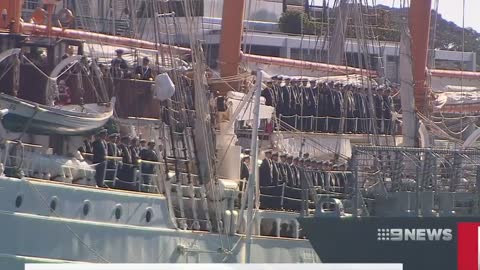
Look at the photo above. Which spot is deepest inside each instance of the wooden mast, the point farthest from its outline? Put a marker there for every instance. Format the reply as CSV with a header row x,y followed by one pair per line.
x,y
230,43
419,20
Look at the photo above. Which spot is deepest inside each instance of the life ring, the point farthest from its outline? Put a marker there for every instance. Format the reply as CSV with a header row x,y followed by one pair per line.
x,y
39,16
65,16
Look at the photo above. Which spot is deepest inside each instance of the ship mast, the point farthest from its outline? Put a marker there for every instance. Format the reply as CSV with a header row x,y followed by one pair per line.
x,y
413,61
419,20
230,54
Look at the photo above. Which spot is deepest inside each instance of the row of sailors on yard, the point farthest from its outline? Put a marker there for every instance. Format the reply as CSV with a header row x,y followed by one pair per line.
x,y
103,150
308,105
286,181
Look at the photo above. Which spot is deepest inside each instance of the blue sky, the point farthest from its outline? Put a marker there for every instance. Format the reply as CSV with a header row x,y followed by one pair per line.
x,y
450,9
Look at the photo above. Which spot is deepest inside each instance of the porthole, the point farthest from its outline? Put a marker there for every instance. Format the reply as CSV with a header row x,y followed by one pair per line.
x,y
86,207
149,215
19,201
118,211
53,204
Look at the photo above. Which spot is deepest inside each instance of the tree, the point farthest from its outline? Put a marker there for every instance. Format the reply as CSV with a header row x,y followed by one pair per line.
x,y
291,22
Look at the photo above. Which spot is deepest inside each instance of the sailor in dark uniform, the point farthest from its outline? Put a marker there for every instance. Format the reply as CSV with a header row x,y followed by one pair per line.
x,y
304,186
148,154
297,104
244,174
125,172
349,179
119,66
144,72
119,59
320,113
244,170
340,178
268,174
269,94
290,173
308,104
289,101
338,109
68,52
87,145
327,176
112,151
275,169
143,144
277,186
387,112
329,107
291,87
265,170
87,148
319,175
359,110
334,179
276,86
124,150
135,150
292,193
308,170
296,173
311,181
379,108
99,149
368,124
349,109
314,104
316,168
301,165
282,166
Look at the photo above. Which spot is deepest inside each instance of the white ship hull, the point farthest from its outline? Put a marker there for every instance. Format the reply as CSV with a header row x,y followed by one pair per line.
x,y
32,232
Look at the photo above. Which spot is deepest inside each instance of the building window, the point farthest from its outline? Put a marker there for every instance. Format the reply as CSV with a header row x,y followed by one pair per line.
x,y
392,58
31,4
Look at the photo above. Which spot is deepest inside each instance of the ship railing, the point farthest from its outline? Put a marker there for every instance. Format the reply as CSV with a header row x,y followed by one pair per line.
x,y
449,177
14,160
132,177
296,198
111,169
149,177
282,197
333,124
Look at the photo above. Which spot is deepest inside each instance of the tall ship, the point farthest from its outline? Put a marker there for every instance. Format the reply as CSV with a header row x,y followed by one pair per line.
x,y
415,203
140,132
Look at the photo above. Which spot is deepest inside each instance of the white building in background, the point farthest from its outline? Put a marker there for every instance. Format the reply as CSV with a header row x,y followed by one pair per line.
x,y
262,37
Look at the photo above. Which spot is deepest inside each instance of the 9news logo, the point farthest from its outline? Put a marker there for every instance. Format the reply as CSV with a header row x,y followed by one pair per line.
x,y
417,234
